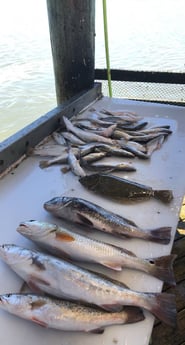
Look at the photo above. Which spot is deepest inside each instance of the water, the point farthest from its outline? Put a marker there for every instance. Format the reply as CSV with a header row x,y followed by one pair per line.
x,y
143,35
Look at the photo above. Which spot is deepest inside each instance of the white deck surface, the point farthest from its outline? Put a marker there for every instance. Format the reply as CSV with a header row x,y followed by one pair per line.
x,y
23,192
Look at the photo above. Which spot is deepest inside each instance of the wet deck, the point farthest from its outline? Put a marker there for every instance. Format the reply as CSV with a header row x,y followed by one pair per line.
x,y
163,334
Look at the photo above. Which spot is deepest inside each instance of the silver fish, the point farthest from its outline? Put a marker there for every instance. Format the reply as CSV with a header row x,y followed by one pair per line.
x,y
59,139
110,149
61,159
63,279
107,132
111,167
73,139
86,136
92,157
75,164
52,150
92,215
65,315
59,240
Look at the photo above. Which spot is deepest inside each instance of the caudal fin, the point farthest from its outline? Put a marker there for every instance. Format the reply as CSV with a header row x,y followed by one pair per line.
x,y
164,195
160,235
164,308
162,268
132,314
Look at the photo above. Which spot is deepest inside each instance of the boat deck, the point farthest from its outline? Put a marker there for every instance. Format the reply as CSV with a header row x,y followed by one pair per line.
x,y
163,334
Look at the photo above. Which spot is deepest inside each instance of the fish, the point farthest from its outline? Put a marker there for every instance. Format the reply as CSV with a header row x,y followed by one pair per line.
x,y
59,139
107,132
135,148
61,159
125,115
92,157
73,139
146,137
110,167
65,280
113,150
86,136
75,164
134,126
123,189
85,212
52,150
59,240
65,315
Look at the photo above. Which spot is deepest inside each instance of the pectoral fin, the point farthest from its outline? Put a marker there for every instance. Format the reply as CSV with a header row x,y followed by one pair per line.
x,y
113,266
112,307
62,236
39,322
97,331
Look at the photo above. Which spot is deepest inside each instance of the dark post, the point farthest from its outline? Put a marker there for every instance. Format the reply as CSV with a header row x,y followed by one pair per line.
x,y
72,33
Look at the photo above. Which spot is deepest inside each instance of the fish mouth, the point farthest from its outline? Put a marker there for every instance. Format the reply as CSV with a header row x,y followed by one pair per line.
x,y
24,227
51,204
55,204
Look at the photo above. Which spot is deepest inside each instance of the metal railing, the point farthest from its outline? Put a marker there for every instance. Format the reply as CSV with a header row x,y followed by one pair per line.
x,y
167,87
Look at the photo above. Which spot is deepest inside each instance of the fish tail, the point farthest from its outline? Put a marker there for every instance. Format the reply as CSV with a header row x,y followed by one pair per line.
x,y
165,195
160,235
162,268
43,164
132,314
164,308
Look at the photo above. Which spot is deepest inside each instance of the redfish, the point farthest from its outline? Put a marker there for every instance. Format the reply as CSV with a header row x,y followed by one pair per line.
x,y
63,242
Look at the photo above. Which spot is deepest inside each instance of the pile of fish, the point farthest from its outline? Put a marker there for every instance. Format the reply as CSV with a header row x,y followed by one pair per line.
x,y
94,135
64,295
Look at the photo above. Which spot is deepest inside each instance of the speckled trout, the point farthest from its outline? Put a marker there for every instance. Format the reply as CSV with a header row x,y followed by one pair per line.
x,y
65,280
65,315
91,215
63,242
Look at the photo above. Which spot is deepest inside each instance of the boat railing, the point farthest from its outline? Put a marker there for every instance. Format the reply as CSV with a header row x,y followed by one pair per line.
x,y
155,86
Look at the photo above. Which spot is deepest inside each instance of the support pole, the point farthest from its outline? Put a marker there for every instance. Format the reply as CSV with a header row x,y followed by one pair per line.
x,y
72,34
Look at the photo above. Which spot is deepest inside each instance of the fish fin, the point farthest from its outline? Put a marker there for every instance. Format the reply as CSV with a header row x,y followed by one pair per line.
x,y
39,322
43,164
64,237
164,195
164,308
132,314
65,169
37,304
128,252
38,263
112,307
111,265
33,284
162,268
97,331
84,220
160,235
